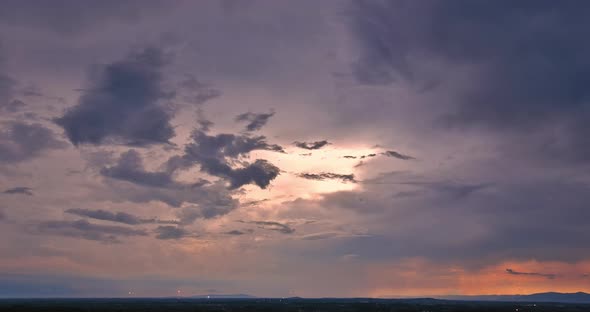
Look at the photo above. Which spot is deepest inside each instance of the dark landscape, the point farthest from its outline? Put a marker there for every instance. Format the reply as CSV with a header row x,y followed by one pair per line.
x,y
536,302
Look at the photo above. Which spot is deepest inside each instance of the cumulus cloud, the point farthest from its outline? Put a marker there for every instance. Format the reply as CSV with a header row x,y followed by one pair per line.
x,y
21,141
123,104
328,176
254,121
311,145
86,230
119,217
19,190
545,275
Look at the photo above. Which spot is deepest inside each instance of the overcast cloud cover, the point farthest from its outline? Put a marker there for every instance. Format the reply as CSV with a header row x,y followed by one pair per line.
x,y
294,148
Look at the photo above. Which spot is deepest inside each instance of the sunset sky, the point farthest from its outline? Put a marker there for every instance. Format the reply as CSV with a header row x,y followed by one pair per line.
x,y
294,148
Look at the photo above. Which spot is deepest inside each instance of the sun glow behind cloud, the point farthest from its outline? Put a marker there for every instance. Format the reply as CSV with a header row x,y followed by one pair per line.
x,y
328,159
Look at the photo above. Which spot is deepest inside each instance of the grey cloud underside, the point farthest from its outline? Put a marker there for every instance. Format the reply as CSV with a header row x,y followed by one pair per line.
x,y
311,145
545,275
215,154
528,63
124,103
86,230
327,176
119,217
254,121
21,142
19,190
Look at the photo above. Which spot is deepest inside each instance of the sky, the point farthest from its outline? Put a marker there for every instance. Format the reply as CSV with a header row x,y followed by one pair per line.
x,y
294,148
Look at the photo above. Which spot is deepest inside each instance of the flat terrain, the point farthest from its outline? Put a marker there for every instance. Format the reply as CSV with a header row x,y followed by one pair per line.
x,y
181,304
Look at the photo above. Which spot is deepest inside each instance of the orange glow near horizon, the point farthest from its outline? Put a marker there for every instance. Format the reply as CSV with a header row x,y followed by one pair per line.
x,y
417,277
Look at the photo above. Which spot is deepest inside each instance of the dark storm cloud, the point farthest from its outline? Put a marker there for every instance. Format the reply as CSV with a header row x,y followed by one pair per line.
x,y
328,176
272,226
21,141
529,61
255,121
397,155
123,104
19,190
86,230
74,16
311,145
215,153
545,275
171,232
119,217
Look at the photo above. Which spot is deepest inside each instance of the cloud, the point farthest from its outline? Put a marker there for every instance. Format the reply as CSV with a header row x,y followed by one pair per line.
x,y
21,142
311,145
75,16
272,226
198,92
122,104
129,180
7,91
545,275
328,176
12,106
368,155
255,121
397,155
86,230
171,232
120,217
235,232
330,235
19,190
214,154
526,64
130,168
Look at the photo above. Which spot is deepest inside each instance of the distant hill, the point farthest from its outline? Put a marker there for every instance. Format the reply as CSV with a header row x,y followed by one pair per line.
x,y
223,296
579,297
